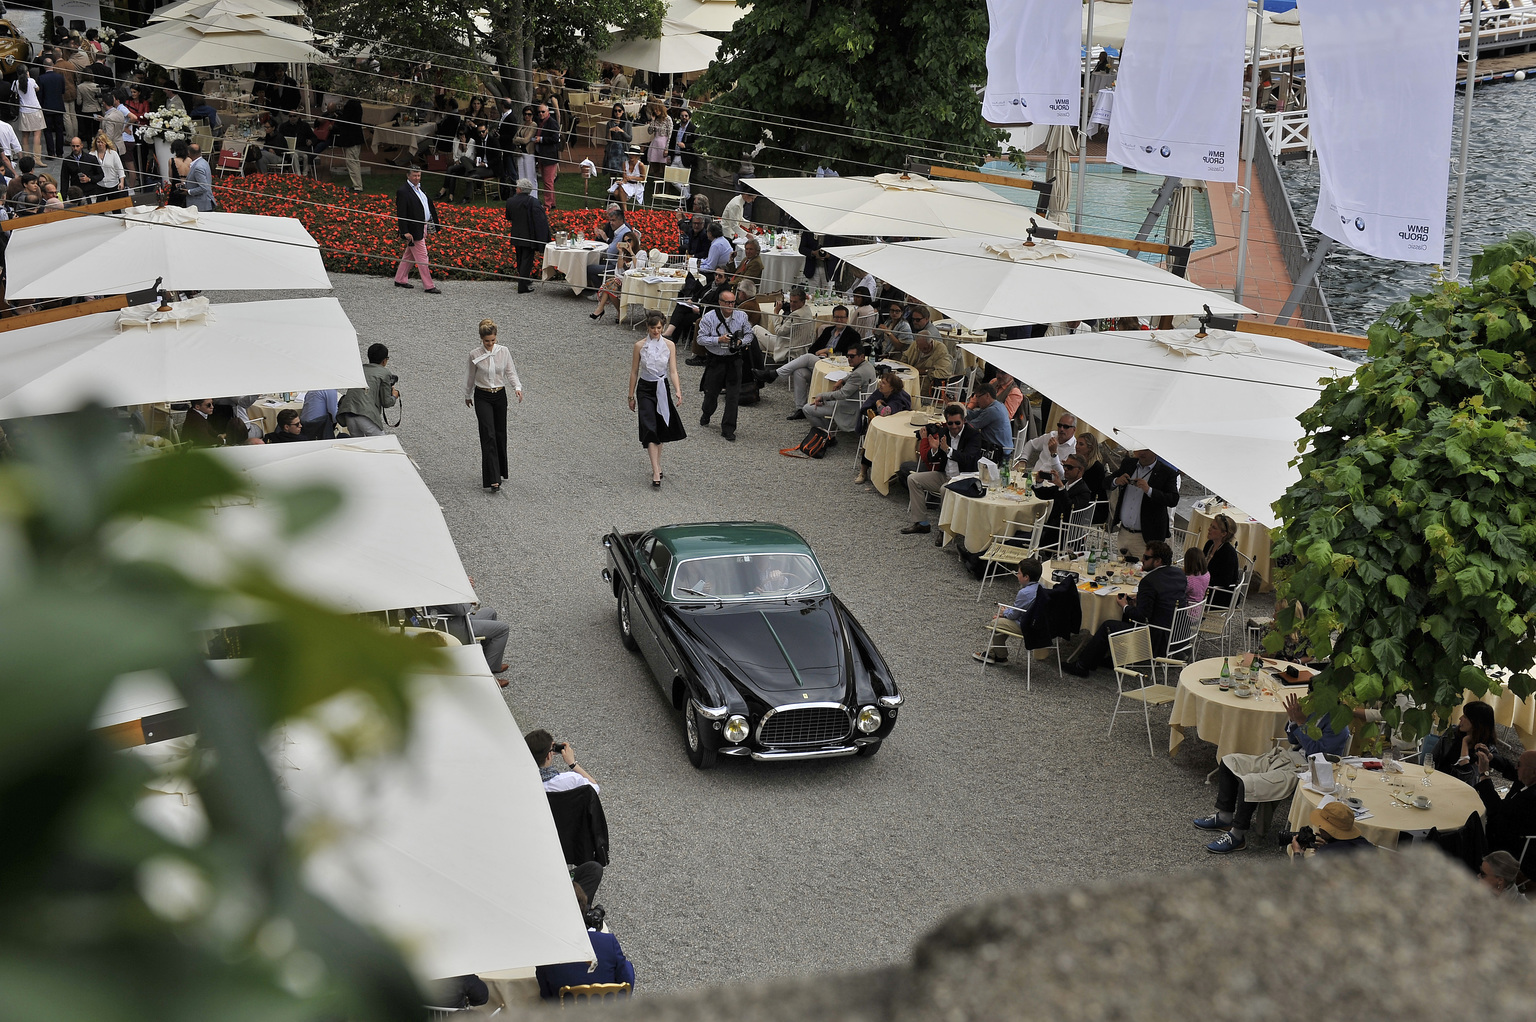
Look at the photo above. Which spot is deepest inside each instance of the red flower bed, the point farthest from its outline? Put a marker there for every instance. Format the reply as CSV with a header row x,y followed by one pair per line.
x,y
358,234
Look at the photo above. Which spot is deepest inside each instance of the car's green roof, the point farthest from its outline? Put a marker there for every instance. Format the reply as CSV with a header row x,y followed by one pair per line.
x,y
713,539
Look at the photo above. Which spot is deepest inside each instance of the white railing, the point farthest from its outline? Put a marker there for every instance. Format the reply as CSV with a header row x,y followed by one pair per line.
x,y
1286,131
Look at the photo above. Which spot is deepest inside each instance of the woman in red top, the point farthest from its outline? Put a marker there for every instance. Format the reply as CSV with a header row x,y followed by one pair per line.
x,y
138,106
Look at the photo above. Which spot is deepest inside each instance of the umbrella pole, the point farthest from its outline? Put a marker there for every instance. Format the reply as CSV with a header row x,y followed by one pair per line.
x,y
1249,141
1082,117
1454,270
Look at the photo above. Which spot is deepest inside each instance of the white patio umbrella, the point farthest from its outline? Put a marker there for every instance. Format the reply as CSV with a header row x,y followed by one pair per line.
x,y
1061,148
706,15
679,49
1181,213
898,205
246,348
984,285
194,44
448,849
199,10
118,253
1225,414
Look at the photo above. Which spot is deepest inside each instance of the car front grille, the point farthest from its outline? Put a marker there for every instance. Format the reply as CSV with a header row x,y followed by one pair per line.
x,y
805,725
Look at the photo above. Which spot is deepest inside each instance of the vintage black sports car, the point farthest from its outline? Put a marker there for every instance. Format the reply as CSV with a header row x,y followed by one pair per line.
x,y
744,636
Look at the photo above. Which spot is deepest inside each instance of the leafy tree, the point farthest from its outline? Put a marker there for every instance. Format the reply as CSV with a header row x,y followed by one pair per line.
x,y
858,86
101,917
1414,523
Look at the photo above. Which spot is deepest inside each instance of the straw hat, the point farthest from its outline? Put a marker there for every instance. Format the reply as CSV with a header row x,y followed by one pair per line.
x,y
920,419
1336,820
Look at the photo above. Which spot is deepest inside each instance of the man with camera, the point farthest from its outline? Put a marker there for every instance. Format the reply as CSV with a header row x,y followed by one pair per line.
x,y
361,409
840,404
943,452
723,334
567,775
1149,490
617,230
1332,831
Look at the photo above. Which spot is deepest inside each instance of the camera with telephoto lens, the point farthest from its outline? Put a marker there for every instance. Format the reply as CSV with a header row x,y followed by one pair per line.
x,y
1305,838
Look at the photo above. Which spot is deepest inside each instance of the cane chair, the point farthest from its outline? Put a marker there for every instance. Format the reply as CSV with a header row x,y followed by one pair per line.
x,y
1131,650
594,991
1021,539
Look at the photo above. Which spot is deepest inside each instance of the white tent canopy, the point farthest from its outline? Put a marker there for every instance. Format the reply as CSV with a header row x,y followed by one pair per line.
x,y
246,348
680,49
448,849
899,205
1050,283
387,548
118,253
1227,418
705,15
200,10
233,40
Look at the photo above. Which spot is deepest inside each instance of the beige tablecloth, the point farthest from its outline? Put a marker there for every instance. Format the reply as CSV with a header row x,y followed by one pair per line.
x,y
268,408
409,136
890,441
979,519
1098,604
1231,724
956,335
572,262
1452,802
1252,537
819,384
659,295
379,113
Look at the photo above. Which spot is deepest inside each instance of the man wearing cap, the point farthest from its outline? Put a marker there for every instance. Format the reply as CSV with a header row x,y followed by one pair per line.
x,y
1244,781
1334,825
1149,490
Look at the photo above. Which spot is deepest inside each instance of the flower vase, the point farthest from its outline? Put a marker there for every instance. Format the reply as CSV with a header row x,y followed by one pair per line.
x,y
163,156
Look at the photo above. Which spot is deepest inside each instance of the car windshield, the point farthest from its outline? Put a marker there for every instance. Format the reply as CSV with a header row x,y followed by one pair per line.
x,y
747,577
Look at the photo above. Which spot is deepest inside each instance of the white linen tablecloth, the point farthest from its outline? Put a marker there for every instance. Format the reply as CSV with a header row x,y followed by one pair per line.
x,y
572,262
640,288
780,269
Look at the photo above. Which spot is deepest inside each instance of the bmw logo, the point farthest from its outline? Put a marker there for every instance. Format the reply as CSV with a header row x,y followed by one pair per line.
x,y
1146,149
1018,102
1359,223
1166,152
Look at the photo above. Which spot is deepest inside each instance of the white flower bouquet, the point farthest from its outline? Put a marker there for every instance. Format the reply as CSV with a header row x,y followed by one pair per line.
x,y
166,124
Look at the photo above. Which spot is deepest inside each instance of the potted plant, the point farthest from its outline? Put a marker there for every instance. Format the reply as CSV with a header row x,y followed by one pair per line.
x,y
162,127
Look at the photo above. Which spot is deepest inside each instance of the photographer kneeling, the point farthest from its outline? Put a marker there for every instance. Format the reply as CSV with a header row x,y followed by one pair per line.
x,y
1333,831
361,409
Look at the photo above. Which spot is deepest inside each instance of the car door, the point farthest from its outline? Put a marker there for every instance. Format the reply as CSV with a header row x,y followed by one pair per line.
x,y
645,616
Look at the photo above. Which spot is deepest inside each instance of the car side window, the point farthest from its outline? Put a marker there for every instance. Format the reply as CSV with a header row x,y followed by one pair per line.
x,y
660,559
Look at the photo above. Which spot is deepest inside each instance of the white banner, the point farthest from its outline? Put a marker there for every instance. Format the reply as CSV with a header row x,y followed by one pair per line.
x,y
1034,62
1179,94
1381,93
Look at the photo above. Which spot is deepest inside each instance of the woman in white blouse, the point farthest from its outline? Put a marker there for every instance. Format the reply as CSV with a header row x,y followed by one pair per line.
x,y
29,121
652,383
111,167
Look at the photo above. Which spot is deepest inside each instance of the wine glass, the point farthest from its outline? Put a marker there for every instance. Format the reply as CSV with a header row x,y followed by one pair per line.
x,y
1350,773
1429,768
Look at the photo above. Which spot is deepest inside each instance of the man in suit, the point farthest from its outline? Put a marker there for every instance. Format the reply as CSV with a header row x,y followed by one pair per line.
x,y
198,429
942,455
416,215
1161,594
546,152
1149,490
349,138
841,403
834,338
199,180
1512,817
1068,494
50,90
528,226
80,171
680,147
288,430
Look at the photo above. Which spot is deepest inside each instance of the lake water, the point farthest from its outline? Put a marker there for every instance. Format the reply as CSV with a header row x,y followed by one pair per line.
x,y
1501,198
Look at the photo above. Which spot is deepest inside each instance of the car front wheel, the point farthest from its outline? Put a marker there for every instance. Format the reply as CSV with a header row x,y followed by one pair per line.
x,y
701,739
626,624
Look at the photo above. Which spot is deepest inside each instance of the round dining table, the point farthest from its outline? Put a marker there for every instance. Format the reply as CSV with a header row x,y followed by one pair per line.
x,y
781,268
1099,602
1383,794
891,440
838,363
267,408
572,260
407,136
1252,535
654,289
977,519
1227,721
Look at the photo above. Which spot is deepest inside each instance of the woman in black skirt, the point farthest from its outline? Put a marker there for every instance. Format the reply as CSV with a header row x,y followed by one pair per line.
x,y
653,366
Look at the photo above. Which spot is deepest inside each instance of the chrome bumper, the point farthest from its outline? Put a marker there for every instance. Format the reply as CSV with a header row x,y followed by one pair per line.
x,y
777,756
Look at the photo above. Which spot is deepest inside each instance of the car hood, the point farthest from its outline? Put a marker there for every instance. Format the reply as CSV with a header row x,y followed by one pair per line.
x,y
777,649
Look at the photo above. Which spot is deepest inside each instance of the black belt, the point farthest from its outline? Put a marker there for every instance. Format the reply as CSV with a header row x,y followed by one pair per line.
x,y
490,390
1127,528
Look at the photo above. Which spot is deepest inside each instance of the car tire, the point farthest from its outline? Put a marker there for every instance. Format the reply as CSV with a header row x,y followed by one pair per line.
x,y
698,737
866,751
626,622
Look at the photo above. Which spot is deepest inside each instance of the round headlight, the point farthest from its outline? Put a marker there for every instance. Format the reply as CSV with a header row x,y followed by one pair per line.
x,y
869,720
736,729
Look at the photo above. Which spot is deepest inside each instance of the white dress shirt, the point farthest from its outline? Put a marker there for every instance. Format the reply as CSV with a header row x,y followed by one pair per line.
x,y
426,207
490,370
568,780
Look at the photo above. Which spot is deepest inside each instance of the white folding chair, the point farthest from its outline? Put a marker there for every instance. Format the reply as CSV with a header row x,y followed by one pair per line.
x,y
1007,628
1180,651
1178,542
1216,625
1019,540
1131,650
675,177
832,429
1075,532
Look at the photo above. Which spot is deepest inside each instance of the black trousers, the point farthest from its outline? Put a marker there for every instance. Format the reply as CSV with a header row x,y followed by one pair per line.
x,y
53,132
525,258
1229,798
318,429
723,371
1097,649
491,414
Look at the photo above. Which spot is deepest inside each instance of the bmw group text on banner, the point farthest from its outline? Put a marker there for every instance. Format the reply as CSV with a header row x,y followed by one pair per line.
x,y
1380,117
1179,93
1034,66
